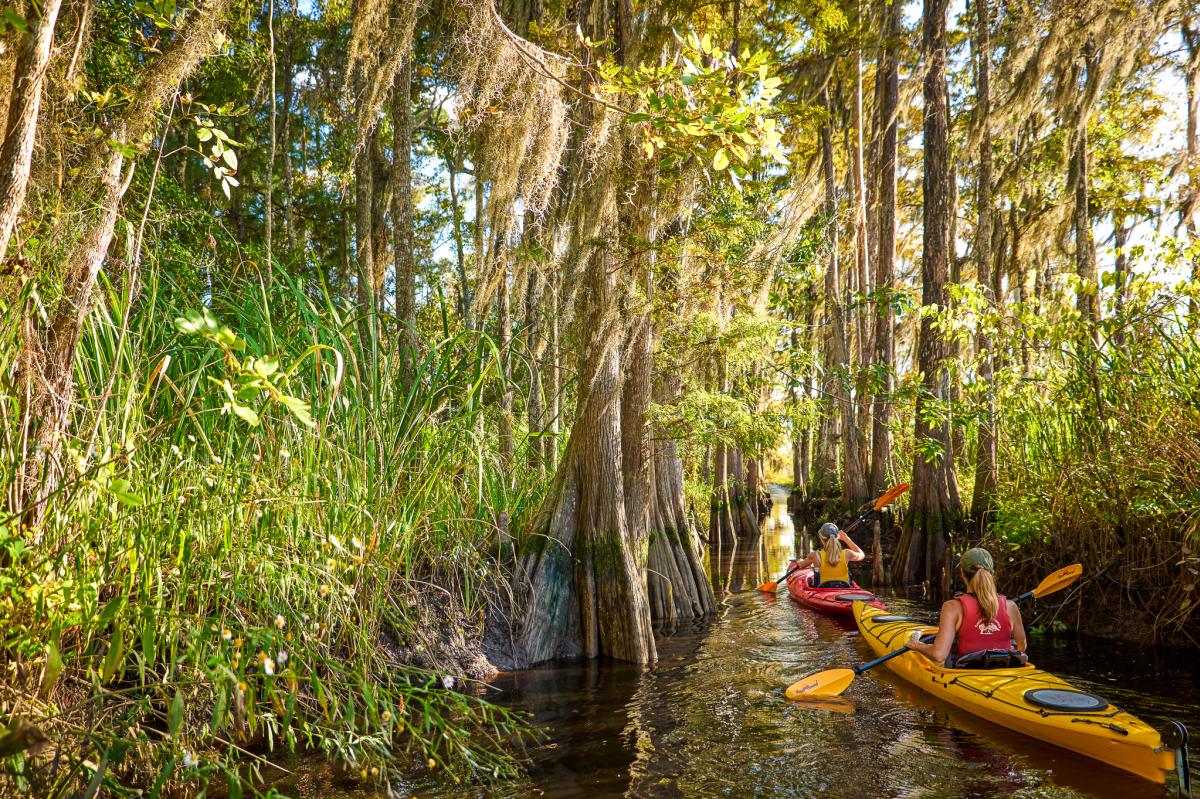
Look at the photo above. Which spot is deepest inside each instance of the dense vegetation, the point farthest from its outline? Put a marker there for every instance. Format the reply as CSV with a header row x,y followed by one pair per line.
x,y
344,343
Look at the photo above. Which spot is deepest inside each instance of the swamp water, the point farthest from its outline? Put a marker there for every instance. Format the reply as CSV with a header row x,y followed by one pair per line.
x,y
710,719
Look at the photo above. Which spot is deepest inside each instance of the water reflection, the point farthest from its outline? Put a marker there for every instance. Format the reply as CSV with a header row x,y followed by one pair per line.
x,y
710,718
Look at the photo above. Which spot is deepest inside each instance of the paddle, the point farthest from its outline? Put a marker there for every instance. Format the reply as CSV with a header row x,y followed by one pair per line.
x,y
834,681
872,508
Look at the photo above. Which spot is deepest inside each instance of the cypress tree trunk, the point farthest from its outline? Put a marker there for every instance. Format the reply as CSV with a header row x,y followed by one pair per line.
x,y
1191,203
885,261
986,463
1088,299
582,588
20,125
402,216
935,512
854,486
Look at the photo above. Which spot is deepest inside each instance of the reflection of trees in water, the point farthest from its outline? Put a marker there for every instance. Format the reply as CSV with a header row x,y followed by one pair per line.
x,y
741,564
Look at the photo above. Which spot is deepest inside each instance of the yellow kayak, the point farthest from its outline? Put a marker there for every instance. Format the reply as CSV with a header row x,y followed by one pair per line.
x,y
1025,699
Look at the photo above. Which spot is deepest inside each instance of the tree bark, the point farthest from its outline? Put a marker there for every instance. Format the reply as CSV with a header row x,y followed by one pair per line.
x,y
935,511
583,591
464,287
885,261
1088,298
1191,203
402,218
854,487
20,125
986,459
1121,229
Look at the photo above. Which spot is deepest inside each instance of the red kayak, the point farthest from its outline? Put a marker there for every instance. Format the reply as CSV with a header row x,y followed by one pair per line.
x,y
836,601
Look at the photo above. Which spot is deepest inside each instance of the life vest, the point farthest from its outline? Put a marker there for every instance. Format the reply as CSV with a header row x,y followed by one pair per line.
x,y
834,571
975,634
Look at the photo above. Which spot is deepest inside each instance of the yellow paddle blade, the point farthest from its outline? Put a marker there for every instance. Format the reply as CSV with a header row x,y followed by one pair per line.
x,y
768,587
890,496
1058,581
823,683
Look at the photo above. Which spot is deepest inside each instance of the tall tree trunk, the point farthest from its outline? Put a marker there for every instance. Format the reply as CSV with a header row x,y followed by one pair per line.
x,y
854,487
100,185
863,263
677,585
1088,299
402,217
464,287
885,261
381,201
289,86
20,126
269,182
364,195
1191,202
535,348
986,463
553,374
582,590
826,465
935,512
1121,229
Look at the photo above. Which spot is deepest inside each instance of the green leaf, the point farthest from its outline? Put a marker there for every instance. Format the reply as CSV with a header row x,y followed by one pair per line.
x,y
247,415
114,658
204,134
175,714
54,667
115,604
16,20
120,488
220,705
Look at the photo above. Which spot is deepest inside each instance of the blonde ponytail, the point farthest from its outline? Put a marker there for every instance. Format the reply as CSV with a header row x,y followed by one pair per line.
x,y
983,586
833,550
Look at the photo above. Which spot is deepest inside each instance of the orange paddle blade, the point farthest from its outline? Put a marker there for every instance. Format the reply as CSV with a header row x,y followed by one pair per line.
x,y
823,683
768,587
890,496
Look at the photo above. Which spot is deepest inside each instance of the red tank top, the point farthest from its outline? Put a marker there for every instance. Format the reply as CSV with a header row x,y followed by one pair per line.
x,y
975,634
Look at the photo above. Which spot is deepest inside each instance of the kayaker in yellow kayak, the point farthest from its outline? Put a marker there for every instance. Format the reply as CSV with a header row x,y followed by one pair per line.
x,y
832,561
978,629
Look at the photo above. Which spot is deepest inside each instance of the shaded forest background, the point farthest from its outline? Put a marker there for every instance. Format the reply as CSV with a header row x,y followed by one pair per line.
x,y
346,344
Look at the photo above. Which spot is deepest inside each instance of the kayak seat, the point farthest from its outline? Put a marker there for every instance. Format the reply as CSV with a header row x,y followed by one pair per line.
x,y
989,659
833,584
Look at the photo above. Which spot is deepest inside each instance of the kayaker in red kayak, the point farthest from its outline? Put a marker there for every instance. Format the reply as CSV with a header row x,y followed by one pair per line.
x,y
978,629
832,561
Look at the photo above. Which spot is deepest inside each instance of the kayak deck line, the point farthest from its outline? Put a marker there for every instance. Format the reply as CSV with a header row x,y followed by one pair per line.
x,y
1108,734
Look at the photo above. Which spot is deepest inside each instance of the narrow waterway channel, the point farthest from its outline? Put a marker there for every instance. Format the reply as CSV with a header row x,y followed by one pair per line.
x,y
710,718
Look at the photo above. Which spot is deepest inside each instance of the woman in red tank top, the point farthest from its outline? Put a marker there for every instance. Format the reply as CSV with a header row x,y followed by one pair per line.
x,y
980,620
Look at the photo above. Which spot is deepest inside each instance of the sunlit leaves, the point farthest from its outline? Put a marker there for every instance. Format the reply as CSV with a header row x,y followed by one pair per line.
x,y
705,103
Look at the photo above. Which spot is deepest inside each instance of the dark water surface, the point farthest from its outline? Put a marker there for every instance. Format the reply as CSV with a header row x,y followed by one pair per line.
x,y
710,719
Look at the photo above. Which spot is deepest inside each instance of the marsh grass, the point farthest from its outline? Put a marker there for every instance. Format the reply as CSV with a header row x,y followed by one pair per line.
x,y
207,593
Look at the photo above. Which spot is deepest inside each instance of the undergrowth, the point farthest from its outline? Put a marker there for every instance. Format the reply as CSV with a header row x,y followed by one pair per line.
x,y
256,497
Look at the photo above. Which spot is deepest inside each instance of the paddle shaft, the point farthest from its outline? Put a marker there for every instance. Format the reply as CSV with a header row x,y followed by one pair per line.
x,y
854,525
872,664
